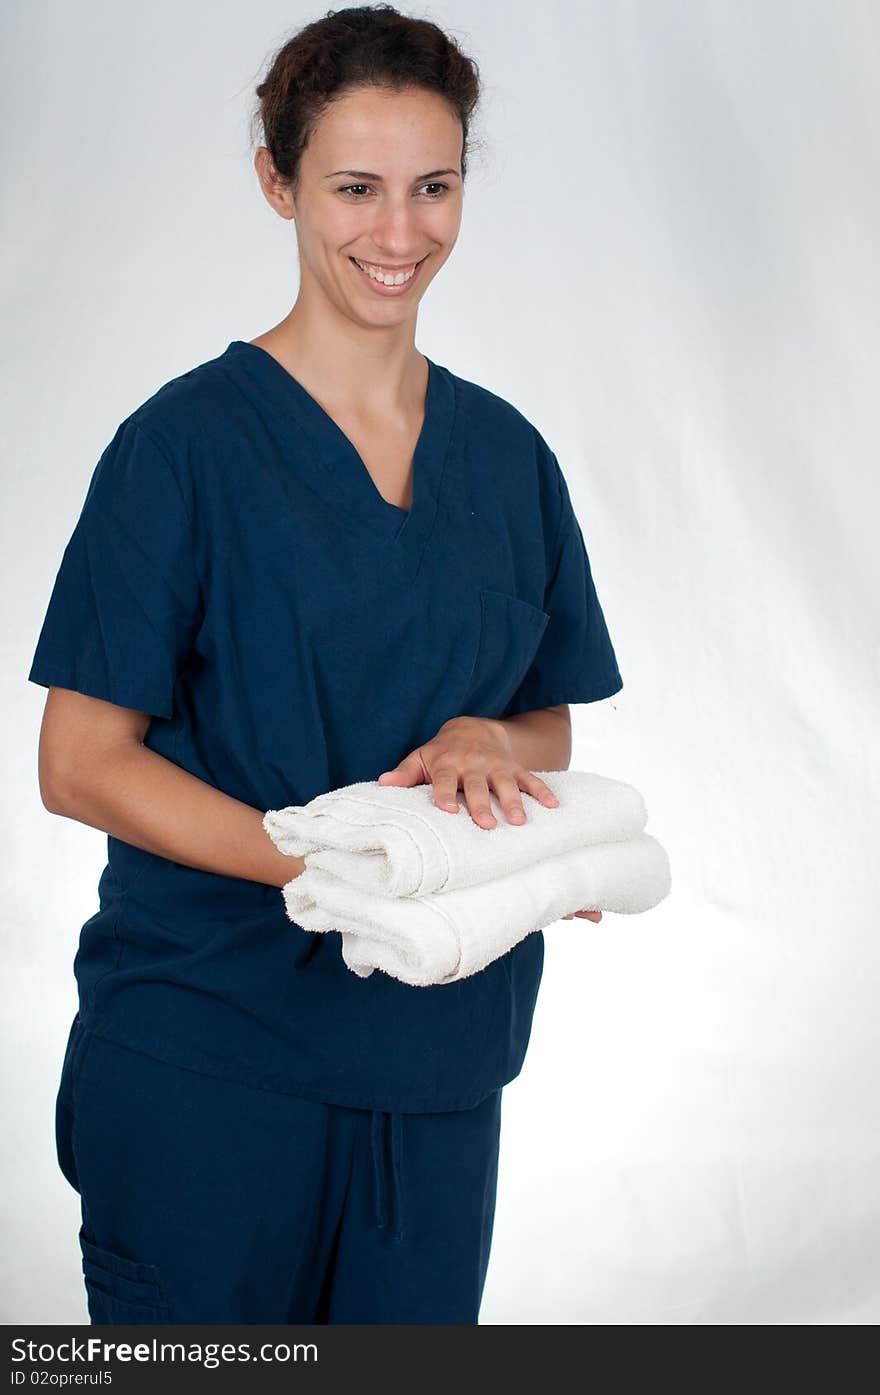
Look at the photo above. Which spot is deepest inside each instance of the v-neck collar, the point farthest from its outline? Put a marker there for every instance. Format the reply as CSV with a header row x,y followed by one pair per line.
x,y
349,483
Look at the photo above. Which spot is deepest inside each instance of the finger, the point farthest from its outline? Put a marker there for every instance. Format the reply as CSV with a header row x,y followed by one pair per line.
x,y
476,793
410,771
445,782
534,785
507,791
595,916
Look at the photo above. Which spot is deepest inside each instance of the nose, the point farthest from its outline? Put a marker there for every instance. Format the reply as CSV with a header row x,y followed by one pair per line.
x,y
396,235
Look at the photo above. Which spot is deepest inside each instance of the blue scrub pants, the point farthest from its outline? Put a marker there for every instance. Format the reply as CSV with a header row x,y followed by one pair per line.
x,y
204,1200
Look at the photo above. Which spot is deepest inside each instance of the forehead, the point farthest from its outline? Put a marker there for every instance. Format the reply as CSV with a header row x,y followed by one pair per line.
x,y
368,124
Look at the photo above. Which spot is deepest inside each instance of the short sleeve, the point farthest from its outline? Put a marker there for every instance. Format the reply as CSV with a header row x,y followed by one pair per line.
x,y
575,661
126,601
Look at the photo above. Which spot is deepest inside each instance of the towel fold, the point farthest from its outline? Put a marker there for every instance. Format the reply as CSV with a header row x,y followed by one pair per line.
x,y
394,841
446,936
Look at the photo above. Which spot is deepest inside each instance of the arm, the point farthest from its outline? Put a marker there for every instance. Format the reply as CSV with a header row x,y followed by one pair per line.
x,y
539,740
94,768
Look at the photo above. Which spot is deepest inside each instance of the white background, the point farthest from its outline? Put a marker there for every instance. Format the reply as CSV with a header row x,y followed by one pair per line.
x,y
668,262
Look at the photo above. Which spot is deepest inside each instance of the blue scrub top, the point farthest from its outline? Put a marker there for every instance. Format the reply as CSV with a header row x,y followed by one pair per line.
x,y
235,573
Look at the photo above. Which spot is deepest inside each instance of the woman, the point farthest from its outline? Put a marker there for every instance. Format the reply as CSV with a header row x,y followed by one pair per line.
x,y
314,559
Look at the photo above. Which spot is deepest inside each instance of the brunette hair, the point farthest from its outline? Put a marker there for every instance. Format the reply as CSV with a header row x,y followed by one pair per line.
x,y
368,45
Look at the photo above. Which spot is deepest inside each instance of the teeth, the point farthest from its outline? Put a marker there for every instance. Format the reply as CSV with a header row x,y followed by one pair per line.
x,y
387,278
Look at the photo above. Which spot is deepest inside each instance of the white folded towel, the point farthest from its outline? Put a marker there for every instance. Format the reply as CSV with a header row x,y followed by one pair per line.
x,y
430,897
394,840
447,936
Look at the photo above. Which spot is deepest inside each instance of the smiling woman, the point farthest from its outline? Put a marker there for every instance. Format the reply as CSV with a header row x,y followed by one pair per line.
x,y
396,225
316,558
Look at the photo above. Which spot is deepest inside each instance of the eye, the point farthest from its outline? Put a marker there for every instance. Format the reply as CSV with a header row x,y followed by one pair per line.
x,y
349,190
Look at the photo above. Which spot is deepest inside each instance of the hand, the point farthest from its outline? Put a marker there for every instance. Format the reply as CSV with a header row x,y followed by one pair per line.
x,y
595,916
474,752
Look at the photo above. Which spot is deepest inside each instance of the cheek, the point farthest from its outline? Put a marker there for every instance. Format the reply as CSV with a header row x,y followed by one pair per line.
x,y
325,239
344,228
444,226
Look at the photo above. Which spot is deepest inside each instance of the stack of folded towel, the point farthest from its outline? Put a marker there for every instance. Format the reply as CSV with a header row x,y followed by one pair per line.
x,y
429,896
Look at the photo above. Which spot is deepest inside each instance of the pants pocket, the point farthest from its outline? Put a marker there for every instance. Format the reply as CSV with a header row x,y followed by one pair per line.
x,y
64,1102
119,1289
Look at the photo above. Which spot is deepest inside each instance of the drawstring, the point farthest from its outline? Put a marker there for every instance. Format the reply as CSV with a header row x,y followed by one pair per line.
x,y
377,1140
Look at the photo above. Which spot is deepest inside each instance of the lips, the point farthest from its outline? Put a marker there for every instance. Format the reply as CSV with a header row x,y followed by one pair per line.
x,y
379,266
394,288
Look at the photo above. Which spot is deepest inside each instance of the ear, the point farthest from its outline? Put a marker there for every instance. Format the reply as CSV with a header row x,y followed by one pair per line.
x,y
276,190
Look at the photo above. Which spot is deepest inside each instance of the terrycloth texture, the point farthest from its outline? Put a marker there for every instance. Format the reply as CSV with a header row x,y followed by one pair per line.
x,y
395,841
440,938
430,897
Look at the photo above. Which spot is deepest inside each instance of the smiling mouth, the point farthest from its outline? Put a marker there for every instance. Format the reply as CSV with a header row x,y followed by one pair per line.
x,y
388,276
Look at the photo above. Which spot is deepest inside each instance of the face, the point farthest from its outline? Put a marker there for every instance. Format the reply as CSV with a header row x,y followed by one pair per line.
x,y
380,184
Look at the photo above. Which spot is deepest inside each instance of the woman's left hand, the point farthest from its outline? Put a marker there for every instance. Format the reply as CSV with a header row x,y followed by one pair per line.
x,y
473,752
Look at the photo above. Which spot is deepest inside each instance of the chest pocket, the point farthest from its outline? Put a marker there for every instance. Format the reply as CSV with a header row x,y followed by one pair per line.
x,y
509,633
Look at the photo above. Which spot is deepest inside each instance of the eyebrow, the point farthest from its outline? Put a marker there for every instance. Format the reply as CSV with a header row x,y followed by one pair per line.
x,y
367,174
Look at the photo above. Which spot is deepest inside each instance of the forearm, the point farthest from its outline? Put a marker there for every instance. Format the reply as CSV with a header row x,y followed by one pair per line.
x,y
138,796
539,740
